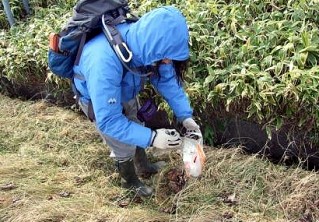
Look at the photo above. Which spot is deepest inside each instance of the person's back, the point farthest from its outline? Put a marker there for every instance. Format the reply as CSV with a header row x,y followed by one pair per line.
x,y
98,54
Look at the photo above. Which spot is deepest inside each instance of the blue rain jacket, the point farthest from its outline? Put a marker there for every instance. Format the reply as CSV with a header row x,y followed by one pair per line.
x,y
161,33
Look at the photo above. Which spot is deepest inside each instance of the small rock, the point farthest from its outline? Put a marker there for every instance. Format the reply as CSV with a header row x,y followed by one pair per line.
x,y
64,194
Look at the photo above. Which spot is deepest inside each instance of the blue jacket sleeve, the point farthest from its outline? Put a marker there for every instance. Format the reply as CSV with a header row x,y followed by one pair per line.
x,y
172,91
104,75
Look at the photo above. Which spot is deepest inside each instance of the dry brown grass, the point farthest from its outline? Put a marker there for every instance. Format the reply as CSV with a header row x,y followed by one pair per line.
x,y
53,167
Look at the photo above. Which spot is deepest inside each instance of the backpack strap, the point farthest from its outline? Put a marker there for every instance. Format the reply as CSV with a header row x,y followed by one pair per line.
x,y
115,38
82,43
119,46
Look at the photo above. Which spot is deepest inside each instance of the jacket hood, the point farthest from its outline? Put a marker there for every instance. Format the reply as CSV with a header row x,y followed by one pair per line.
x,y
159,34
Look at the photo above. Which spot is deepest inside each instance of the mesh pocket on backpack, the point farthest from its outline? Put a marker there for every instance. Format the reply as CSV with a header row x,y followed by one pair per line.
x,y
60,64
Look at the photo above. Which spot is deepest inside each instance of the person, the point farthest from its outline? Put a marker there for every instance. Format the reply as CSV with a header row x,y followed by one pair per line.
x,y
158,39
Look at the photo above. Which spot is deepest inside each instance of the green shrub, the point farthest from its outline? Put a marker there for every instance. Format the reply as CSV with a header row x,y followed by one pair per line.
x,y
258,59
19,12
25,45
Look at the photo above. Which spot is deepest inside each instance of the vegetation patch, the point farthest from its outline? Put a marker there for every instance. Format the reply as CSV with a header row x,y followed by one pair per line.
x,y
55,168
255,66
254,60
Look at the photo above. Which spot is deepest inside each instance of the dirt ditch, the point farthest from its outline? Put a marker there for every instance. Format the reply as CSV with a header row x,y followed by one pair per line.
x,y
285,146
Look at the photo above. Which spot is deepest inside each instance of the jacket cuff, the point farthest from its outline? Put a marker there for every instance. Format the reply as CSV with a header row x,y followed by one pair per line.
x,y
181,119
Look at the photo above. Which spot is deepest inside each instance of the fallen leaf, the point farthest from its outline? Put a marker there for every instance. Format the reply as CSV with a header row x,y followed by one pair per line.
x,y
227,215
124,203
16,199
169,210
176,180
137,200
8,186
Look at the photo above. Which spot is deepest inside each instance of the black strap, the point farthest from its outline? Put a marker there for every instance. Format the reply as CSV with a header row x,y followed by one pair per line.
x,y
117,20
78,54
91,115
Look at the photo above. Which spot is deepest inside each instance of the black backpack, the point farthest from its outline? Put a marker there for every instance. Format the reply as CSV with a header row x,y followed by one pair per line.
x,y
89,18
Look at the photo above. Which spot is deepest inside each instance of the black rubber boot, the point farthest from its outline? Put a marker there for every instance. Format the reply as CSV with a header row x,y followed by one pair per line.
x,y
130,179
143,166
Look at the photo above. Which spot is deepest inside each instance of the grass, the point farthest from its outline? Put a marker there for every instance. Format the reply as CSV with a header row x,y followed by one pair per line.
x,y
54,167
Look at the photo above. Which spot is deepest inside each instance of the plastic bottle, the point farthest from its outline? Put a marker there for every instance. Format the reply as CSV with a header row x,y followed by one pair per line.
x,y
193,157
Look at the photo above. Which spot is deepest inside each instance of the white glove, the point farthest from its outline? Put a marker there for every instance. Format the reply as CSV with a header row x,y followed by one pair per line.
x,y
192,129
166,139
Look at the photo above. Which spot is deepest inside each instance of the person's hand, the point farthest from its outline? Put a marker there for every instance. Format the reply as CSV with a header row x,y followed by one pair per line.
x,y
166,139
192,129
